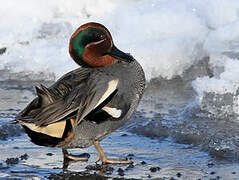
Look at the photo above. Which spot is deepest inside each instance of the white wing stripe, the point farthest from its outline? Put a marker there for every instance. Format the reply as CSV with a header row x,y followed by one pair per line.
x,y
112,85
116,113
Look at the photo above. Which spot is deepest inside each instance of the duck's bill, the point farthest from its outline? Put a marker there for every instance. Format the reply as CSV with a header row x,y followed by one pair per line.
x,y
120,55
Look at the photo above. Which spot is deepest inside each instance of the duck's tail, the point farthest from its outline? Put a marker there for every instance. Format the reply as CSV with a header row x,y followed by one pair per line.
x,y
54,134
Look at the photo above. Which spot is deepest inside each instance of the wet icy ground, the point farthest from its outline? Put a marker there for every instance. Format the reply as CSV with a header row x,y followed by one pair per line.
x,y
167,137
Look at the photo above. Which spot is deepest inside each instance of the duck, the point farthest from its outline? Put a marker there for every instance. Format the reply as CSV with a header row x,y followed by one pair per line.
x,y
89,103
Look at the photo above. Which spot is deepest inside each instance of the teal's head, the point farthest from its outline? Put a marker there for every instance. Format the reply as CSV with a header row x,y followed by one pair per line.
x,y
91,45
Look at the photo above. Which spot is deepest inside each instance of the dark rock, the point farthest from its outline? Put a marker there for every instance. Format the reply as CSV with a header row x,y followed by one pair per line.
x,y
108,170
130,156
68,175
96,167
178,174
154,169
120,172
143,163
49,154
234,172
212,172
11,161
124,135
3,50
24,156
210,165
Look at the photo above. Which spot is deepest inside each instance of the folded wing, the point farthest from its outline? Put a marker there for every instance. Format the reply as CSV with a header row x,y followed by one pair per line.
x,y
75,95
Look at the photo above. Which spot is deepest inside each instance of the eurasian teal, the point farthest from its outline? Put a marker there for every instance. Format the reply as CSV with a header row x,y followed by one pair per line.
x,y
87,104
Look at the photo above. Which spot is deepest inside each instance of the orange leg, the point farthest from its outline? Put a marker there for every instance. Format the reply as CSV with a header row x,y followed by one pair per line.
x,y
103,158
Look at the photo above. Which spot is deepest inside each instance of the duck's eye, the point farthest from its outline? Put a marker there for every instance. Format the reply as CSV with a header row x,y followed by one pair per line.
x,y
102,36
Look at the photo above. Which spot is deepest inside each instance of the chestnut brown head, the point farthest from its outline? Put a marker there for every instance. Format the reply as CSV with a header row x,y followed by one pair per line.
x,y
91,45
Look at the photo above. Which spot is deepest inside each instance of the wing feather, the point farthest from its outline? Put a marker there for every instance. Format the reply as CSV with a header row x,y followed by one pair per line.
x,y
75,93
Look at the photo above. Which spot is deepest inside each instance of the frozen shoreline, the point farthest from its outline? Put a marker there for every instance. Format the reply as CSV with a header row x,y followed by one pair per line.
x,y
156,134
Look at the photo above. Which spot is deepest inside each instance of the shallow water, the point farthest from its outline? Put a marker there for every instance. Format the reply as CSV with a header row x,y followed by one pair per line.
x,y
165,132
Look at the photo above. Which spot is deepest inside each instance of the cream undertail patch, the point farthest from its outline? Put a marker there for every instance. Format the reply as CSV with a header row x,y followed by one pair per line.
x,y
54,130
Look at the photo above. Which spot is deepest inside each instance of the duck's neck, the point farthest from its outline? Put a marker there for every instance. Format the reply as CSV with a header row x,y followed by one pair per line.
x,y
94,60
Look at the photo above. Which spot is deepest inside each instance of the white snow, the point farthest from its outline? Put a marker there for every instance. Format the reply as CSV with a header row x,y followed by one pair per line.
x,y
165,36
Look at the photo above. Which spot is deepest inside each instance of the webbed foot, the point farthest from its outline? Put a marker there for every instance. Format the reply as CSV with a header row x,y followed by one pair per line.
x,y
105,160
69,158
